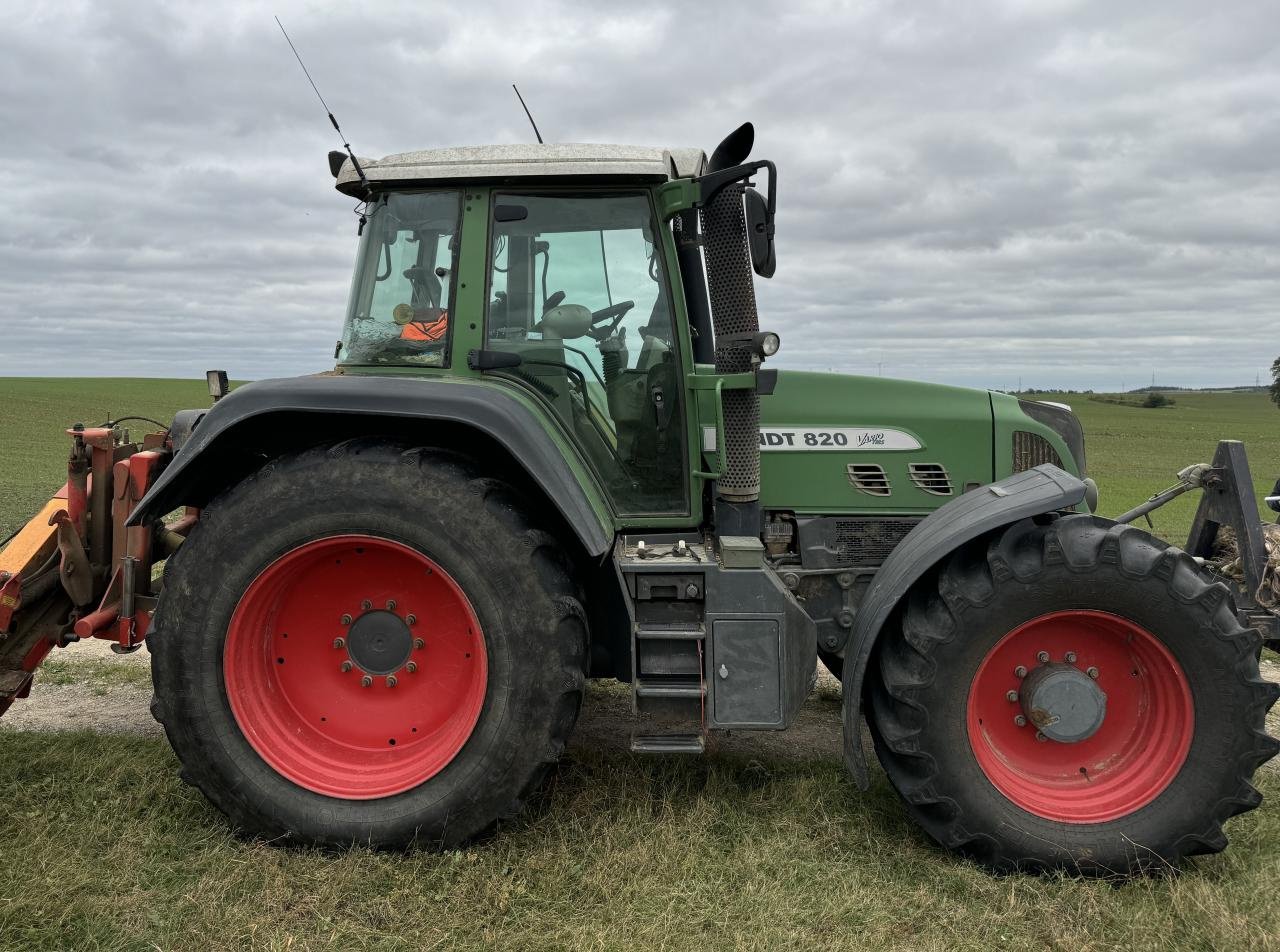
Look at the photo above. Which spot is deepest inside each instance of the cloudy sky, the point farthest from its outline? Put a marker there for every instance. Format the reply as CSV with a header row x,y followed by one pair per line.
x,y
1071,192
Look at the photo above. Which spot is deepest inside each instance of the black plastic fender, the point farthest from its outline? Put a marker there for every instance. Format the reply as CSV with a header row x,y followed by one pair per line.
x,y
1034,492
192,477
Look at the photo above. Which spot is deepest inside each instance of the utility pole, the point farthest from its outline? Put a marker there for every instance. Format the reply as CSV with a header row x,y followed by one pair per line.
x,y
880,369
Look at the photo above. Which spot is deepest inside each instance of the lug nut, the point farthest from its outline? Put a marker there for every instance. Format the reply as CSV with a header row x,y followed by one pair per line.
x,y
1011,696
366,604
1092,672
411,619
411,667
1071,657
366,681
346,619
1043,657
346,666
1019,672
391,680
1020,721
339,642
391,604
419,643
1040,736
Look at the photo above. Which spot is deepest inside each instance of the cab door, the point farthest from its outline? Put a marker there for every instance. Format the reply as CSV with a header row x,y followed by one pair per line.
x,y
578,289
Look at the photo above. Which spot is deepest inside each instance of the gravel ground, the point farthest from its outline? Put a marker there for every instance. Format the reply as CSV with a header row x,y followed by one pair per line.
x,y
605,722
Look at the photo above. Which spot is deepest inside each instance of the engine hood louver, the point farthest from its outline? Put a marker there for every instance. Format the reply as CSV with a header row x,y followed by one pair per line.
x,y
870,478
932,478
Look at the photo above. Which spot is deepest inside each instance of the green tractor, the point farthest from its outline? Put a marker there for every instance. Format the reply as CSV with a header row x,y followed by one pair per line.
x,y
551,449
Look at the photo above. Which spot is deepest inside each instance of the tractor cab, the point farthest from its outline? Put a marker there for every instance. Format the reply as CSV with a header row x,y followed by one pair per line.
x,y
553,268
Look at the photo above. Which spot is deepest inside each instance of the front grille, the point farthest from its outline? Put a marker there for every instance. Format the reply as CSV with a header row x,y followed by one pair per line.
x,y
931,477
868,541
1031,450
870,478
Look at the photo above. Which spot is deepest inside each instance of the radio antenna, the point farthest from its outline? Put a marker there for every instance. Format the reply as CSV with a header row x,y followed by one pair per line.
x,y
355,163
527,113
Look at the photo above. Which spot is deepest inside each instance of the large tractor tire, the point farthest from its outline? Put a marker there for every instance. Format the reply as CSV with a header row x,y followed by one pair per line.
x,y
368,644
1075,695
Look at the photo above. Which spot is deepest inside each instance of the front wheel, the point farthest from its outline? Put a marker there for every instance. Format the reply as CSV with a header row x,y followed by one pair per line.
x,y
1073,695
368,644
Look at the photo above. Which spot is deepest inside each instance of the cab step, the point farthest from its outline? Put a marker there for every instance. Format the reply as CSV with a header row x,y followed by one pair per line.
x,y
670,687
670,633
668,744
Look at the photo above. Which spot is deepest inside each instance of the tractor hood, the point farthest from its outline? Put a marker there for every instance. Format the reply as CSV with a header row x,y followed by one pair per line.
x,y
832,443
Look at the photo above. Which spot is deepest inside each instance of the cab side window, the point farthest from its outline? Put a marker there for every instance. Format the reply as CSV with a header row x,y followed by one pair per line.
x,y
578,290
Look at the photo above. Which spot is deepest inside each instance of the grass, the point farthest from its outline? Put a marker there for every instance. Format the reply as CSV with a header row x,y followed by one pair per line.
x,y
101,847
105,849
100,675
1133,451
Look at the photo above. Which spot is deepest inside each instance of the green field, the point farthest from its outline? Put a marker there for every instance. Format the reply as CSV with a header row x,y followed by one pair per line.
x,y
101,846
1134,452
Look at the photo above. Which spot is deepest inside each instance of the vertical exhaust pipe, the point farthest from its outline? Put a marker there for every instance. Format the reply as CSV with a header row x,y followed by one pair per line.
x,y
731,291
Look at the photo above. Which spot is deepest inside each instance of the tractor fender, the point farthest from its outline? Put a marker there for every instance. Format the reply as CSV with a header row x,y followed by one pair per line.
x,y
1034,492
274,410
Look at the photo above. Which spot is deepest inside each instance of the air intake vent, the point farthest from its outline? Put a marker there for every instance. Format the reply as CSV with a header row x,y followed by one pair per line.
x,y
931,477
1031,450
870,478
868,541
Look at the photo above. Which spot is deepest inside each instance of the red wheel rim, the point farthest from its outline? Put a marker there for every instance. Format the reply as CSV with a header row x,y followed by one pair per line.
x,y
322,682
1130,758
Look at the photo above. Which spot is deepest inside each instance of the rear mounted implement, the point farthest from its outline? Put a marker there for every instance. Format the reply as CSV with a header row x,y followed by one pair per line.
x,y
77,570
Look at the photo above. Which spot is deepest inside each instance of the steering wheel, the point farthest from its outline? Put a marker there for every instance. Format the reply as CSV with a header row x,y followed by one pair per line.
x,y
614,313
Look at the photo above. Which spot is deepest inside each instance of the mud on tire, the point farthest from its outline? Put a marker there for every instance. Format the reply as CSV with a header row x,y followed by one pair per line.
x,y
950,625
480,534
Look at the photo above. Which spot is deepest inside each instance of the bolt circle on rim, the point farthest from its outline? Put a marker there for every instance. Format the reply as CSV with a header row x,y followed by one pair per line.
x,y
1131,757
313,719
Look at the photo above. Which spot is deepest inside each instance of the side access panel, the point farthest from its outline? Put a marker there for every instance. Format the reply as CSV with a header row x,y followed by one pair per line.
x,y
763,644
1035,492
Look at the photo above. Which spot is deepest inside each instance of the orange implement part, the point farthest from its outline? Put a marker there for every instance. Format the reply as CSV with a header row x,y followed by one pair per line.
x,y
34,542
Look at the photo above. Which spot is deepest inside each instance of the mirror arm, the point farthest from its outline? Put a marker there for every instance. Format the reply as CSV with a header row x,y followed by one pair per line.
x,y
711,183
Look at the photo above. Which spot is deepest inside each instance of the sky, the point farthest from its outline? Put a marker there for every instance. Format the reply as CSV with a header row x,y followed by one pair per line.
x,y
1066,193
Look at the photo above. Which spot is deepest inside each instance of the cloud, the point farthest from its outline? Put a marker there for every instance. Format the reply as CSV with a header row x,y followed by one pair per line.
x,y
1074,193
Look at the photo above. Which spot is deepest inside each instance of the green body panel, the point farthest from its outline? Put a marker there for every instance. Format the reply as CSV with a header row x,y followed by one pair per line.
x,y
1008,417
951,425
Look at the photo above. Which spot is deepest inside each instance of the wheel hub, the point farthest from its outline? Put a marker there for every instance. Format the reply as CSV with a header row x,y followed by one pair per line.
x,y
1063,702
379,642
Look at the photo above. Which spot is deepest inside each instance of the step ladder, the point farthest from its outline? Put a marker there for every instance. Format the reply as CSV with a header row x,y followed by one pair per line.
x,y
669,689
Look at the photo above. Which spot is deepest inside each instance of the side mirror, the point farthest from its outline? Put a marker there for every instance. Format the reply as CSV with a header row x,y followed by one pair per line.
x,y
764,258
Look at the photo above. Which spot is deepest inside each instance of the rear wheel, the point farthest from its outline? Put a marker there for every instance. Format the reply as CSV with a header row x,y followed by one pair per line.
x,y
368,644
1074,695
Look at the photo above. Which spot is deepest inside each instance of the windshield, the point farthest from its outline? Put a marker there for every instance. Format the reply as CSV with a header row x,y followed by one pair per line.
x,y
403,286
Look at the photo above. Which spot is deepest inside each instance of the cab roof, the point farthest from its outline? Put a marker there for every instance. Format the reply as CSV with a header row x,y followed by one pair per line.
x,y
607,164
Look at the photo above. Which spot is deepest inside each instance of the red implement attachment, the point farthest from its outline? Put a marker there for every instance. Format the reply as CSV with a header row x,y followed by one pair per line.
x,y
77,553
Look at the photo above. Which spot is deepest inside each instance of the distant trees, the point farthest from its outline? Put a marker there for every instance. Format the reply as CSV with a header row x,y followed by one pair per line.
x,y
1275,382
1156,399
